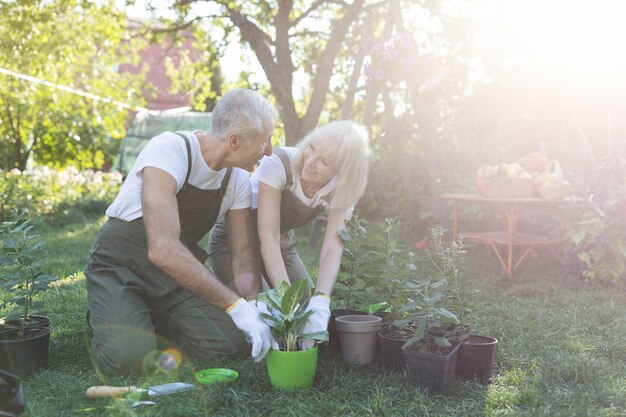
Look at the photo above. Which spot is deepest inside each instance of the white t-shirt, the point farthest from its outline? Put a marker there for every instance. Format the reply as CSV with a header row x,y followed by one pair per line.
x,y
168,152
272,172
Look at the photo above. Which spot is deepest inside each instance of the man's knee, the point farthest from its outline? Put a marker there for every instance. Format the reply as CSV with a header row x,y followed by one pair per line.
x,y
126,355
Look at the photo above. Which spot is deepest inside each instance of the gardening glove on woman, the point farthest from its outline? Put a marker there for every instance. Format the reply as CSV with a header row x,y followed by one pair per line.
x,y
256,331
316,322
261,307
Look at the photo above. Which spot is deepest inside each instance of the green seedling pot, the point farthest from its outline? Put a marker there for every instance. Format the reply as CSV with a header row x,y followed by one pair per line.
x,y
292,370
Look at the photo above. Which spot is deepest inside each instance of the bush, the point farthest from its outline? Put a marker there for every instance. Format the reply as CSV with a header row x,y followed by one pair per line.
x,y
599,241
44,191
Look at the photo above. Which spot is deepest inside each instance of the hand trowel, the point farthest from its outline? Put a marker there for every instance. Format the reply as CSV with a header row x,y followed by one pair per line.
x,y
104,391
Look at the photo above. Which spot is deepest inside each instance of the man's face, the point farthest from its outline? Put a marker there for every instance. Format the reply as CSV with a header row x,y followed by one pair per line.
x,y
251,152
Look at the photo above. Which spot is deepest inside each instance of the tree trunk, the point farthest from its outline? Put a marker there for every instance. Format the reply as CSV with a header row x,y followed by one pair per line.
x,y
279,68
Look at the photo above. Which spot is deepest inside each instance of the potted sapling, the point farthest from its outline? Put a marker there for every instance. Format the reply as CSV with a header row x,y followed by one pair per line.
x,y
397,287
24,335
358,272
290,368
477,352
431,352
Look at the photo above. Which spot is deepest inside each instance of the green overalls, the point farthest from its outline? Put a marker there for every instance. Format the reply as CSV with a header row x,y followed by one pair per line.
x,y
293,214
129,297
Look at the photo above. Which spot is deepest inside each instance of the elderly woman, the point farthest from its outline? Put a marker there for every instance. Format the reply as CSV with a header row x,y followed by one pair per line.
x,y
326,171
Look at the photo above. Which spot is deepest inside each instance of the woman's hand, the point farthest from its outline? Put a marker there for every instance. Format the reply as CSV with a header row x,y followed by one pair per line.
x,y
316,322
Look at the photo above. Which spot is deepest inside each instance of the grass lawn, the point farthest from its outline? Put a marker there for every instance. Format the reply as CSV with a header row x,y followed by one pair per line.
x,y
561,352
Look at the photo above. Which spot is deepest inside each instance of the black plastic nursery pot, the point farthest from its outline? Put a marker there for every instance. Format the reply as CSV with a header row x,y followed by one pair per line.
x,y
26,356
334,345
11,395
390,346
429,370
476,357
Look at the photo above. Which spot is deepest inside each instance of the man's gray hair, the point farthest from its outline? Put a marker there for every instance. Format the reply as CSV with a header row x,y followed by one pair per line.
x,y
243,112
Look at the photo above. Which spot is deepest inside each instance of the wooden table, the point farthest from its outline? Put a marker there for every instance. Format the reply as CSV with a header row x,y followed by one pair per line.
x,y
505,243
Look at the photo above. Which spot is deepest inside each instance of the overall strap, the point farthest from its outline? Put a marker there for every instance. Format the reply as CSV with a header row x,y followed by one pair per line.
x,y
284,158
188,157
224,185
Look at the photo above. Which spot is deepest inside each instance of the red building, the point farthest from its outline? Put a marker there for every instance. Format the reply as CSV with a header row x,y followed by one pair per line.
x,y
157,91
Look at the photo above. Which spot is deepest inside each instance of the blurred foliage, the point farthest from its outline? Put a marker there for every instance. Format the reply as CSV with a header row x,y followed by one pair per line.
x,y
71,43
46,193
597,240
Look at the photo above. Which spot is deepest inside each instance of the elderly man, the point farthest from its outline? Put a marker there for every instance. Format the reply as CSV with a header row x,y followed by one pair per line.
x,y
145,271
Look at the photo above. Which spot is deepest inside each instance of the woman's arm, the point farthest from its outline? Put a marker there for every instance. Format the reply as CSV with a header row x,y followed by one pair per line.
x,y
332,249
245,274
268,225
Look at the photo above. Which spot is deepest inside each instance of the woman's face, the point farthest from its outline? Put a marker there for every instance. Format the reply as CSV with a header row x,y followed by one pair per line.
x,y
317,167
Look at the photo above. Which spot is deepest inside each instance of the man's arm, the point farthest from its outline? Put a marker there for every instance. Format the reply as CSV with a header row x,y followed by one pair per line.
x,y
160,212
245,271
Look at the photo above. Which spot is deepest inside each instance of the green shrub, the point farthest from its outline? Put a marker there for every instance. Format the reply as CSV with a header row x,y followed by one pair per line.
x,y
44,191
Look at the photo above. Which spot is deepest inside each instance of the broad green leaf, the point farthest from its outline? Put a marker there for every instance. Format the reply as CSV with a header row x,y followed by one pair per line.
x,y
442,341
292,296
319,336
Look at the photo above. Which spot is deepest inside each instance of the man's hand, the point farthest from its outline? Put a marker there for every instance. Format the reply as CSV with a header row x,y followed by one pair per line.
x,y
261,307
316,322
256,331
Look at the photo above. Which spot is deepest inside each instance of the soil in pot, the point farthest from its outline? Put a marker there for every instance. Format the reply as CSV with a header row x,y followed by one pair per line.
x,y
433,370
333,336
476,357
292,370
25,356
358,335
33,321
390,342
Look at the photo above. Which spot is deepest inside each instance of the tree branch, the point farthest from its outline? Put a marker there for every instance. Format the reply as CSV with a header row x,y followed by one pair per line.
x,y
324,70
277,76
283,52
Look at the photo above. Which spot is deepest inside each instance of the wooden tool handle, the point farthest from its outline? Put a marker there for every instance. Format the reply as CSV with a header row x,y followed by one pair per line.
x,y
104,391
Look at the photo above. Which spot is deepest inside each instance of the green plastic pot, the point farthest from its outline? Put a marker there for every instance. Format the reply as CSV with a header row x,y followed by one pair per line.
x,y
292,370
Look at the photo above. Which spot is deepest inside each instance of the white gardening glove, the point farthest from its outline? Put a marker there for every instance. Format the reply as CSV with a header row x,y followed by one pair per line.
x,y
261,307
316,322
256,331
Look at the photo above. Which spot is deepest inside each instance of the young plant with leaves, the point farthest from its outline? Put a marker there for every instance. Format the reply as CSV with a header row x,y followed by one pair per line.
x,y
287,313
358,263
21,276
598,241
397,270
441,326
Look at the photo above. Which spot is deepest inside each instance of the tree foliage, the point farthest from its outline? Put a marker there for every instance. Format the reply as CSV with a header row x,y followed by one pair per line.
x,y
290,39
73,44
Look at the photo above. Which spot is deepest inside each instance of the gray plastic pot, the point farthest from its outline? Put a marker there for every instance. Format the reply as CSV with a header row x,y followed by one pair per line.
x,y
358,336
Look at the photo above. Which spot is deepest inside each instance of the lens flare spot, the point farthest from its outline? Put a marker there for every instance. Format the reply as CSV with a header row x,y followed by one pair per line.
x,y
170,359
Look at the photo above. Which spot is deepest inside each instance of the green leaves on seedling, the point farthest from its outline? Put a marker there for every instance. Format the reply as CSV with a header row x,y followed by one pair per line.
x,y
22,258
287,314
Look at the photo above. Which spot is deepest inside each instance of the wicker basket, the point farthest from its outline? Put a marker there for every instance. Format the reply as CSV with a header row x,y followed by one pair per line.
x,y
509,188
560,190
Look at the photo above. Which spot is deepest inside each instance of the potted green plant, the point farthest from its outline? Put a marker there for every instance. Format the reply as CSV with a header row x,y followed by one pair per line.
x,y
397,286
431,352
358,271
290,368
24,336
477,352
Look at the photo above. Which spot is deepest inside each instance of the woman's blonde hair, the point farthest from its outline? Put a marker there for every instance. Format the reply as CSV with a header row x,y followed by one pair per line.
x,y
345,144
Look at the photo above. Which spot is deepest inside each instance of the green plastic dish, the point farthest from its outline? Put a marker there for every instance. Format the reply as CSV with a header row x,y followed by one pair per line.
x,y
211,375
